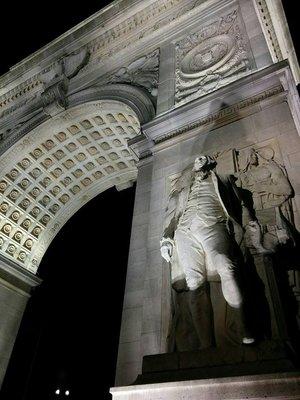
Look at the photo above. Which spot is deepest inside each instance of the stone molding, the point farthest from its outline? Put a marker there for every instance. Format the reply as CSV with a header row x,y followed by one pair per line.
x,y
293,99
145,17
262,86
268,29
20,97
276,31
136,98
17,278
141,146
225,114
276,386
21,128
104,35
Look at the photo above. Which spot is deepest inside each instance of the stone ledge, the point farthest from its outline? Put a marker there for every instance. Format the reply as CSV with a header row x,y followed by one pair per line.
x,y
268,356
17,278
269,386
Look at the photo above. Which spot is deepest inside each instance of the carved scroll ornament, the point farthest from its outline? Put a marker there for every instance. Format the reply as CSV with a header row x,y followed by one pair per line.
x,y
211,57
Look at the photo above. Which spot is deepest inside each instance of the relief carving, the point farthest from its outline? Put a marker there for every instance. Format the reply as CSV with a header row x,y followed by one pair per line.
x,y
56,81
142,72
54,96
234,210
146,21
266,179
202,240
212,57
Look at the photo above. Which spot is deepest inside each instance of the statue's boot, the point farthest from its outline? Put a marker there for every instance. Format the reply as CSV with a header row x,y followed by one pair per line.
x,y
243,327
202,315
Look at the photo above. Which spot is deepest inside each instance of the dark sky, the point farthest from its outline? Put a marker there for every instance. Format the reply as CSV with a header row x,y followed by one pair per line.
x,y
69,335
70,331
26,26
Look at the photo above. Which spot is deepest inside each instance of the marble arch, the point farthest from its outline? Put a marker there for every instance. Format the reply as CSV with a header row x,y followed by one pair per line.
x,y
177,78
50,166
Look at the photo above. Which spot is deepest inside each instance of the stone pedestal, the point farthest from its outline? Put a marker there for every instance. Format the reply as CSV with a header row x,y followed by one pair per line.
x,y
270,386
266,357
15,286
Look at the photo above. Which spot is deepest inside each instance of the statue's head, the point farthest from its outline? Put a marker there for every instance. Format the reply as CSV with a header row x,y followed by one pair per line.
x,y
203,162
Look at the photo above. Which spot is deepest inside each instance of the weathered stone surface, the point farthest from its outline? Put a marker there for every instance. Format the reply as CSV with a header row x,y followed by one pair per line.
x,y
15,286
269,386
265,357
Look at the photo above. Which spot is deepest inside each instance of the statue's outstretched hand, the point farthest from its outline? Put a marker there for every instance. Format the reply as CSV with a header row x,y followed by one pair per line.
x,y
166,251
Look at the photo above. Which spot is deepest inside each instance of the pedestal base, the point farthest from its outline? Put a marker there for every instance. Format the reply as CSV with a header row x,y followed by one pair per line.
x,y
267,357
270,386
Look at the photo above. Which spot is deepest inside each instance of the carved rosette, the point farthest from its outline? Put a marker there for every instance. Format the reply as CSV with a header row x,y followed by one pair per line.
x,y
212,57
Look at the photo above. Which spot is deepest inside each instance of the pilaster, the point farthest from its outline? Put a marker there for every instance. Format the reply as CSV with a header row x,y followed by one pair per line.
x,y
15,286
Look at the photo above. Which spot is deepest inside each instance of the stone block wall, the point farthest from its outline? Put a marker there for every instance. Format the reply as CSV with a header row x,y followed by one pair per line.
x,y
11,312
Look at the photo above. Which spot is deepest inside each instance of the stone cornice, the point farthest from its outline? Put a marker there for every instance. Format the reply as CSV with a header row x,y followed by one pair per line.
x,y
17,278
268,29
224,115
113,37
103,36
102,33
136,98
241,98
107,18
275,27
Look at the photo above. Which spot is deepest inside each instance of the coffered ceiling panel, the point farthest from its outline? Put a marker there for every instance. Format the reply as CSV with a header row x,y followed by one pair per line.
x,y
55,169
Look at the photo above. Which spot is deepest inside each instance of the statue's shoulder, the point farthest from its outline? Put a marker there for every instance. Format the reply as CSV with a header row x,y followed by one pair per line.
x,y
181,181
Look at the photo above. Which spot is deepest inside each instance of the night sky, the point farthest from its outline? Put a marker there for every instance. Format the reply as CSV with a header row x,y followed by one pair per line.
x,y
69,334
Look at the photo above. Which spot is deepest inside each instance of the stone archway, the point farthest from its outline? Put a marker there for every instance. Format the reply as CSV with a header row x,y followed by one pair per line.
x,y
217,73
51,171
58,167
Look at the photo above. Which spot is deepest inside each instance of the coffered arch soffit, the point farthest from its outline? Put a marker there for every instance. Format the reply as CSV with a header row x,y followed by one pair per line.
x,y
58,167
136,98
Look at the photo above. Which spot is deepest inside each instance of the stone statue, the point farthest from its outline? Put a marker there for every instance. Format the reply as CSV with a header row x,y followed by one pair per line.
x,y
267,183
271,192
203,211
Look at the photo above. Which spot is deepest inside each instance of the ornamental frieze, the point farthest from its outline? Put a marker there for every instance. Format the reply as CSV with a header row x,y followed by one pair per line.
x,y
130,31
